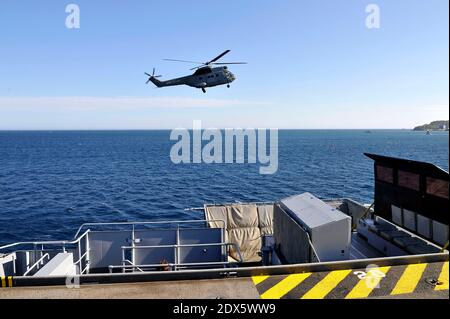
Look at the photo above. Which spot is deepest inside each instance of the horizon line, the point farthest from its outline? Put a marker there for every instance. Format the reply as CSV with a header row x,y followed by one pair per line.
x,y
220,128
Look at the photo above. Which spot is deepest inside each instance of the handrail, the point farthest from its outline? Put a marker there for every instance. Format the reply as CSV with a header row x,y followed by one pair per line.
x,y
175,265
75,241
312,246
237,203
79,262
50,242
62,243
36,263
79,259
151,223
168,265
236,246
130,264
226,204
177,245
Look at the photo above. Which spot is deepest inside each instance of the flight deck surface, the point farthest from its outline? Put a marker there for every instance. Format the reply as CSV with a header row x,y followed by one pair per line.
x,y
403,281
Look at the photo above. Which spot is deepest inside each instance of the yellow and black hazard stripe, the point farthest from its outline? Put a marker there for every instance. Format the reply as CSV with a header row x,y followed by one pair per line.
x,y
353,283
6,282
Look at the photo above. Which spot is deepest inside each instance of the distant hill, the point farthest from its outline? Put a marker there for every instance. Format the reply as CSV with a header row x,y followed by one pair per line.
x,y
433,126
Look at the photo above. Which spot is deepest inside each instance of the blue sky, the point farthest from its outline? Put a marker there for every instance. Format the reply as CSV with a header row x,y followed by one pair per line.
x,y
312,64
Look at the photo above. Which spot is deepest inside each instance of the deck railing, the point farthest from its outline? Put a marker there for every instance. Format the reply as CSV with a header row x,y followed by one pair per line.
x,y
62,244
36,264
128,264
41,248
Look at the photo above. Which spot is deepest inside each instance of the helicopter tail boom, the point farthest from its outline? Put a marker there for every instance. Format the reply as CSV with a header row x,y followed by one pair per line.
x,y
156,82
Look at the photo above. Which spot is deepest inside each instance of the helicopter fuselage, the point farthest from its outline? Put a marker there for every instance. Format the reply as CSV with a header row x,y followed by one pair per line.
x,y
202,78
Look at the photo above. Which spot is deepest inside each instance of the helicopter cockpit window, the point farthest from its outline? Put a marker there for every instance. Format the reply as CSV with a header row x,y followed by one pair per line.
x,y
202,71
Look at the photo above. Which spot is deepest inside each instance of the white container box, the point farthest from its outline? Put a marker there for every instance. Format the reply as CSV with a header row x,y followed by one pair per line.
x,y
329,228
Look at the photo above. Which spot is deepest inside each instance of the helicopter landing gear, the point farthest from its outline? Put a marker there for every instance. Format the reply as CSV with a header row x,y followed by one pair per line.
x,y
228,86
203,89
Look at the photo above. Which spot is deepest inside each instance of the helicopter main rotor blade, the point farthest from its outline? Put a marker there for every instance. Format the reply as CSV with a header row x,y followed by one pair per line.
x,y
218,57
173,60
224,63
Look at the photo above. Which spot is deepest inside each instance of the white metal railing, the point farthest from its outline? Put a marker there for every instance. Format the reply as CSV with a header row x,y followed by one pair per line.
x,y
175,265
40,260
83,254
62,243
130,264
227,204
221,223
79,262
176,222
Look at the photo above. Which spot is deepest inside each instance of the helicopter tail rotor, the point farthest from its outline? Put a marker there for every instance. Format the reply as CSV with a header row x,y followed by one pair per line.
x,y
152,76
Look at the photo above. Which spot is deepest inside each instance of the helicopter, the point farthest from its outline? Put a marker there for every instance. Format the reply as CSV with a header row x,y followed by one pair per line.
x,y
205,75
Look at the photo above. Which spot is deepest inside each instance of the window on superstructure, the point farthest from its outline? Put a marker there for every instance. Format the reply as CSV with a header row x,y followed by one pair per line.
x,y
409,180
437,187
385,174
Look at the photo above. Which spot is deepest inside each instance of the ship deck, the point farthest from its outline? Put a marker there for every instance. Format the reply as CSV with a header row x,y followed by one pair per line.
x,y
401,281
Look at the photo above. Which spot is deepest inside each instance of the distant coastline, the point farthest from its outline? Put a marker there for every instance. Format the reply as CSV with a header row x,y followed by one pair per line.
x,y
433,126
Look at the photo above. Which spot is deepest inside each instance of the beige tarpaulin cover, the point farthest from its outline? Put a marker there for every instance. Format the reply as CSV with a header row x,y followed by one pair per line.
x,y
245,225
265,215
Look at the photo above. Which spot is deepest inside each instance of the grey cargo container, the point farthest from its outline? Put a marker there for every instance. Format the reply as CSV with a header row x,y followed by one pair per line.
x,y
328,228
